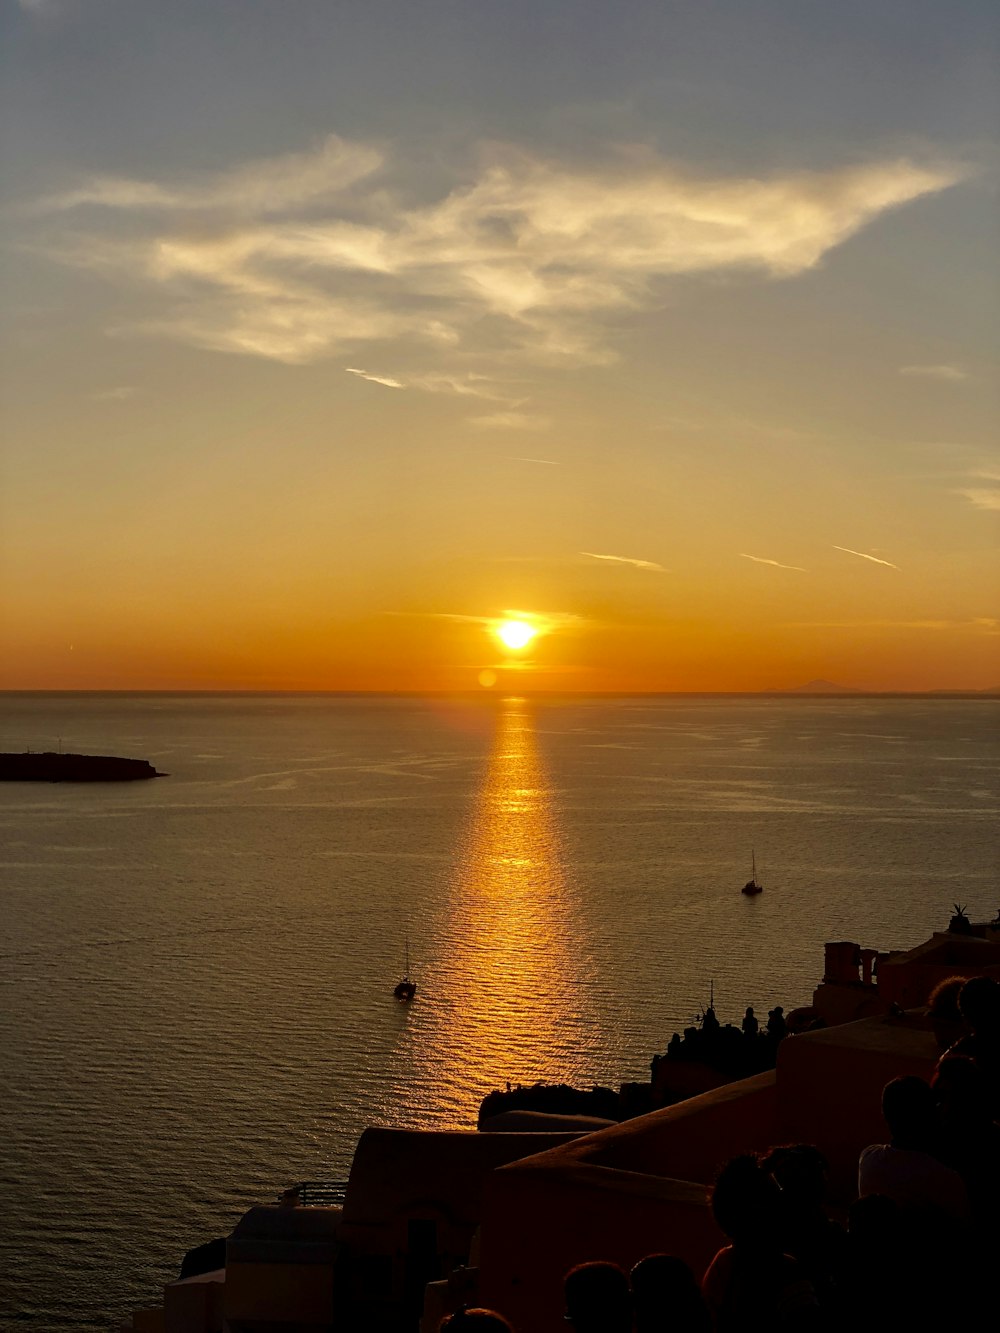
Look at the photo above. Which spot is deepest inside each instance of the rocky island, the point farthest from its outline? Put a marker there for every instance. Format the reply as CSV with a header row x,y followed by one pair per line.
x,y
51,767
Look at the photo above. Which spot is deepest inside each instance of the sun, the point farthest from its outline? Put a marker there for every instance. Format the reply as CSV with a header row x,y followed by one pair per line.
x,y
515,634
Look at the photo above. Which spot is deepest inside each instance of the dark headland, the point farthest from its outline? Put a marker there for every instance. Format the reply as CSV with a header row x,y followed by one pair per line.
x,y
50,767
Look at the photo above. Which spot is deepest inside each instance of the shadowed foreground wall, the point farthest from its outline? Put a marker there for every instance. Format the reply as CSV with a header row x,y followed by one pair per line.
x,y
542,1202
640,1187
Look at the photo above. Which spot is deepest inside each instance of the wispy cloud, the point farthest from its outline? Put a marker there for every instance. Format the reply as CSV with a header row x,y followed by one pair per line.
x,y
116,395
457,616
626,560
543,622
300,256
876,560
374,379
762,560
982,497
952,373
548,462
977,625
469,385
510,421
260,187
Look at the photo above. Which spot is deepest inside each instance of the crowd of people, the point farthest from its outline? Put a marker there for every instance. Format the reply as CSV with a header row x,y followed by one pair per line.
x,y
736,1051
917,1250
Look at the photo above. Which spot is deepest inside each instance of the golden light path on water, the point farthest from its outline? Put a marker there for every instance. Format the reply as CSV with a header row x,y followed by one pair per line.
x,y
197,977
502,999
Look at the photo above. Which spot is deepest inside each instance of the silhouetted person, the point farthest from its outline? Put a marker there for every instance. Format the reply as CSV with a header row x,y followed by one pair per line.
x,y
666,1298
971,1137
776,1025
979,1005
475,1321
752,1283
944,1013
598,1299
877,1291
805,1231
940,1283
749,1027
908,1169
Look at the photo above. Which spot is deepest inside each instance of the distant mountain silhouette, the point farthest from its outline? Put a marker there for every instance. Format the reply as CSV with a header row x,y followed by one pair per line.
x,y
817,687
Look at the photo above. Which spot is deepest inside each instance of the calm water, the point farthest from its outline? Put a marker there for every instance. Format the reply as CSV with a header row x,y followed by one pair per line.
x,y
197,972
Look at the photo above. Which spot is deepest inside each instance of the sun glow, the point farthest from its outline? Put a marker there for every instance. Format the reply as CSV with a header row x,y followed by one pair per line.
x,y
515,634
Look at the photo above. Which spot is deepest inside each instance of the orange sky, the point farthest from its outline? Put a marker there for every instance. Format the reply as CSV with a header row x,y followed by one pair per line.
x,y
677,337
395,652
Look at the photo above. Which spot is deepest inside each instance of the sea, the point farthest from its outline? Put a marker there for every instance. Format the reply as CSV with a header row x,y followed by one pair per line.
x,y
196,972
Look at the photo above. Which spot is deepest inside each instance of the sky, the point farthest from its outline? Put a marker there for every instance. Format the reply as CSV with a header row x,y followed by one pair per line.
x,y
335,336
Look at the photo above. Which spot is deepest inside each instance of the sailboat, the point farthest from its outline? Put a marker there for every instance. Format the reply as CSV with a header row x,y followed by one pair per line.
x,y
405,989
751,886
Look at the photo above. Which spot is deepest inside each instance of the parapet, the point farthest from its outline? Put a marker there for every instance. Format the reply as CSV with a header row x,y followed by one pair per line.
x,y
907,978
398,1173
270,1229
279,1269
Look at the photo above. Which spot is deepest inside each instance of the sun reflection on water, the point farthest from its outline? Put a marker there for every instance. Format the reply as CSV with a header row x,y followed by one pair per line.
x,y
505,1007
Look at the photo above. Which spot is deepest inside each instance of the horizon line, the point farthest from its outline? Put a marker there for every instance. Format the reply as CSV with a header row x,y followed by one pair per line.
x,y
482,693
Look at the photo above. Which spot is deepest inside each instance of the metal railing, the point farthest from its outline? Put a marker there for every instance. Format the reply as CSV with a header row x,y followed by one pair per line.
x,y
316,1194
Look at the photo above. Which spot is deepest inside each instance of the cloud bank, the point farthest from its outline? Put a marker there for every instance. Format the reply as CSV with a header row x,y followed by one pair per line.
x,y
318,253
